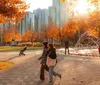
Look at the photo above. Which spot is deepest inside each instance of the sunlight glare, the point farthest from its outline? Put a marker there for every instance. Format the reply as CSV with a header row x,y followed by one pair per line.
x,y
82,7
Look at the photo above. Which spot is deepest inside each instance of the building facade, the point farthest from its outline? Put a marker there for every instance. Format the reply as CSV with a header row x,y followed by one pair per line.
x,y
62,15
56,14
41,19
26,23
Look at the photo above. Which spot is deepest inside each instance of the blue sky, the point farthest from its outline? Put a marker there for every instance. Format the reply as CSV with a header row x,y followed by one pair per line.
x,y
34,4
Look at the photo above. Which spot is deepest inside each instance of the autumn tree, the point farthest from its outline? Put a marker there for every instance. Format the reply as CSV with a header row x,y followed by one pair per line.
x,y
43,34
94,21
69,29
35,36
27,36
68,32
93,10
11,34
53,32
12,10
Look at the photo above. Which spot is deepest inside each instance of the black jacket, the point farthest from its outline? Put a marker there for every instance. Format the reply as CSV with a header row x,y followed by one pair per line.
x,y
52,53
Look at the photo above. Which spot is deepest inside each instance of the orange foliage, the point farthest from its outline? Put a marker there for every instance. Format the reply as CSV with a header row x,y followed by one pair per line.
x,y
11,34
5,65
69,29
12,9
43,35
62,1
53,32
93,32
95,2
82,24
35,36
94,22
28,35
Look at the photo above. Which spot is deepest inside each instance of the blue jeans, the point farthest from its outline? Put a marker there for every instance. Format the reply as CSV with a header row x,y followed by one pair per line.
x,y
51,72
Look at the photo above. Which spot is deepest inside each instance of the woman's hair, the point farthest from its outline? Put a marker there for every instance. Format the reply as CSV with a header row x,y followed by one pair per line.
x,y
45,44
51,46
52,51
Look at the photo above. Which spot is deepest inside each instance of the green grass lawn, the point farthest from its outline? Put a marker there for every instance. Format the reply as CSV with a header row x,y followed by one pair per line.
x,y
15,48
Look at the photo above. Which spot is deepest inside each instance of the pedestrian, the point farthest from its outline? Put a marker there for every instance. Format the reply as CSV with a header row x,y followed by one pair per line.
x,y
43,61
22,51
99,51
66,46
51,62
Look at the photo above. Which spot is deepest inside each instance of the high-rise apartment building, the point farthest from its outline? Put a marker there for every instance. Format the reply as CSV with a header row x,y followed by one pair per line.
x,y
52,15
46,16
56,4
41,19
56,14
23,26
38,19
62,15
26,23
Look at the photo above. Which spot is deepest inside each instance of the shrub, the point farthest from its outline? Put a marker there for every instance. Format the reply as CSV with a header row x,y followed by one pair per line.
x,y
24,43
37,44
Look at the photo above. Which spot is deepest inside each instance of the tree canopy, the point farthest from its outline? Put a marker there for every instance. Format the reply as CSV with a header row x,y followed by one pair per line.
x,y
12,10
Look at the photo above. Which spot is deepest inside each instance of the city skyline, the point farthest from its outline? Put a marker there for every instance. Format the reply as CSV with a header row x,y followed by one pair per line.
x,y
35,4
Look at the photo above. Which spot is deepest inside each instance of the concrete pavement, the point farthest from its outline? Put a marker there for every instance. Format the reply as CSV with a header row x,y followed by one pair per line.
x,y
75,70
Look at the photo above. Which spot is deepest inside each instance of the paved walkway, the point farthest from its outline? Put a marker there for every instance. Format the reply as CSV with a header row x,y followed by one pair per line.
x,y
75,71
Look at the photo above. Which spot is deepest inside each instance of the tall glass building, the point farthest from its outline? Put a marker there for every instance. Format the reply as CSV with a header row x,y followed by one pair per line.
x,y
56,14
62,15
26,23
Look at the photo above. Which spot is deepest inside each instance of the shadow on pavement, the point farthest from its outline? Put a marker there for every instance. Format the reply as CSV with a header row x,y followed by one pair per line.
x,y
39,83
13,58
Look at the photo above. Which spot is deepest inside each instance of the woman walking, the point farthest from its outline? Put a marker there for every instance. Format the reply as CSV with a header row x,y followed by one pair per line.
x,y
51,62
99,51
43,61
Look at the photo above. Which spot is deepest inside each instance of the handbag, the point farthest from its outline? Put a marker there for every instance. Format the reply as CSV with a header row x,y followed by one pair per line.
x,y
51,62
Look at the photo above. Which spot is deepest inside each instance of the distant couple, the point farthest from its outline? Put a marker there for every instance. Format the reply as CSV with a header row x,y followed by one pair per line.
x,y
48,61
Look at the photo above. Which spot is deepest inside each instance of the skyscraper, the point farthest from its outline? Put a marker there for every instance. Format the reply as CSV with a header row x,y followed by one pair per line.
x,y
46,16
52,14
62,15
56,14
41,19
56,4
26,23
38,21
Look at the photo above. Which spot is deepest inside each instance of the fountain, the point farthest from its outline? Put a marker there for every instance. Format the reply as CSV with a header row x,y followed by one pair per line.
x,y
87,45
